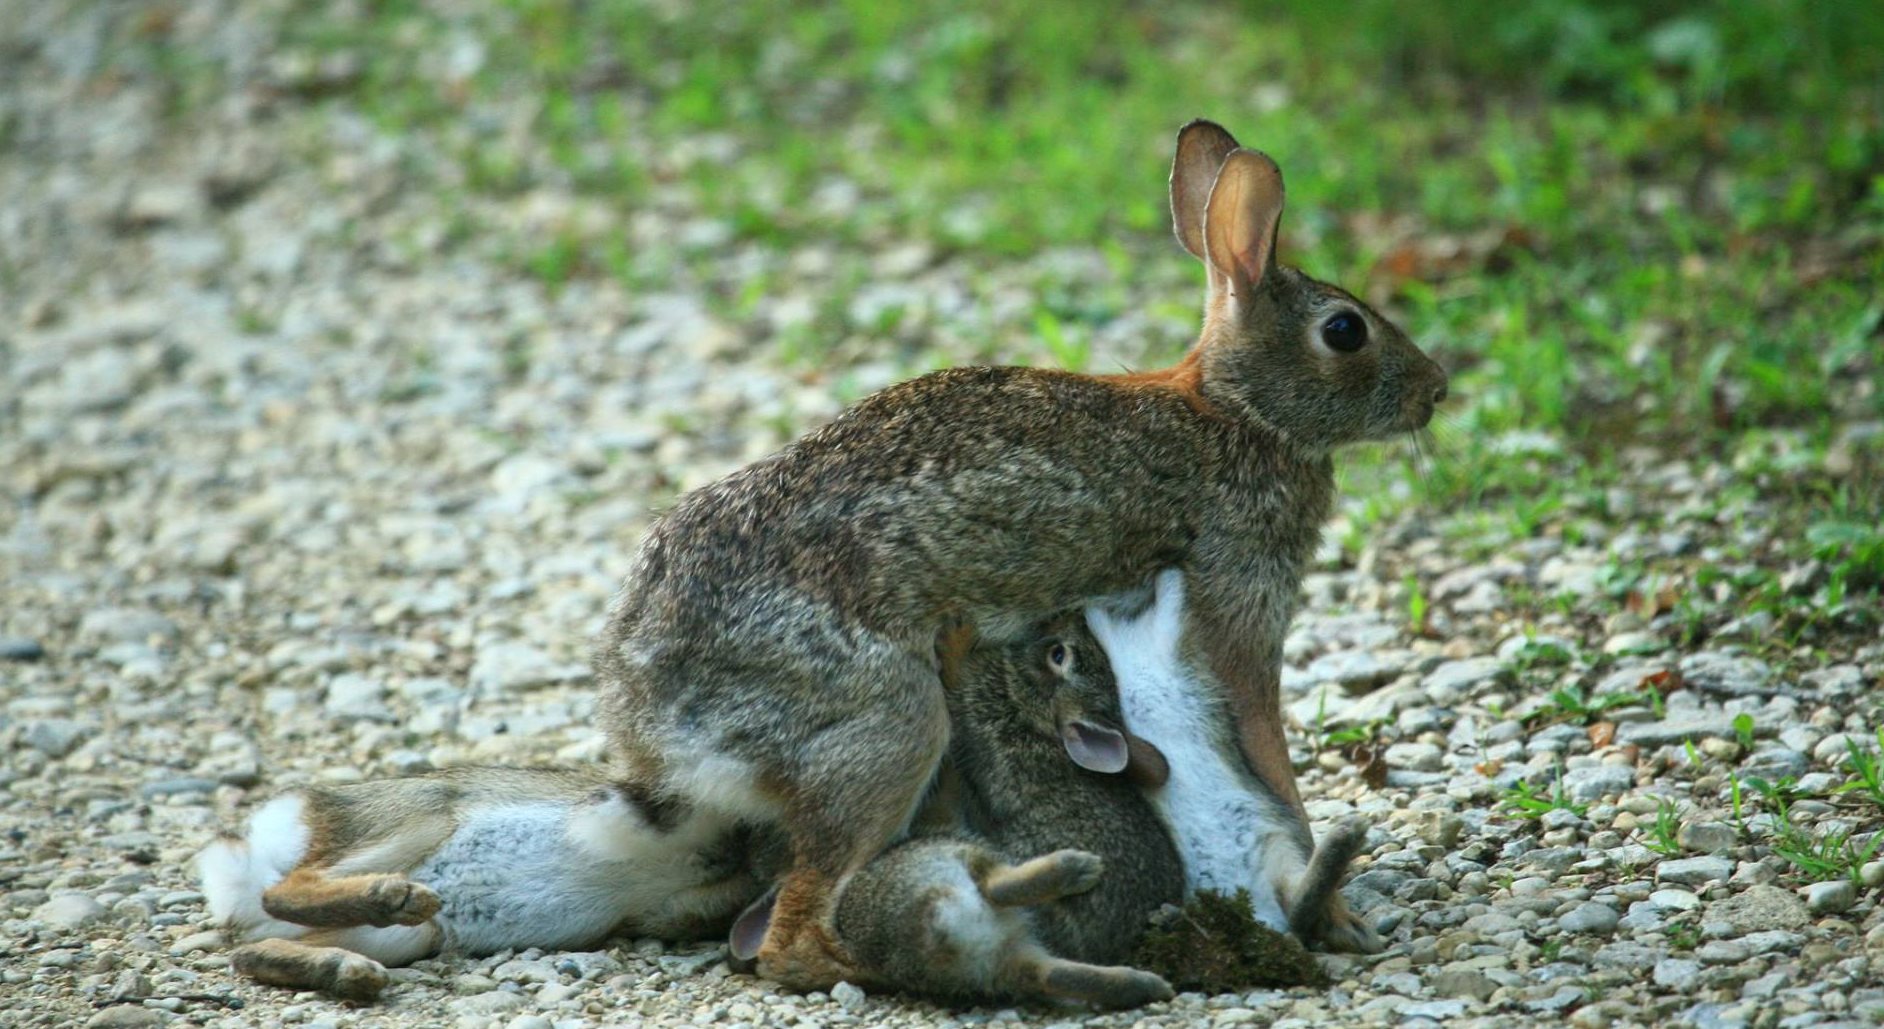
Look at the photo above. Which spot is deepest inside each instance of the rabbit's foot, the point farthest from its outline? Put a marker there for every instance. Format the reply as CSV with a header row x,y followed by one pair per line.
x,y
1102,986
1345,931
297,965
811,959
307,897
397,900
1049,877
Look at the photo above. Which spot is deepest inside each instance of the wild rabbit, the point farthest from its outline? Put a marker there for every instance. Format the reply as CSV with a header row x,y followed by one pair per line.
x,y
770,654
334,882
1232,833
1055,869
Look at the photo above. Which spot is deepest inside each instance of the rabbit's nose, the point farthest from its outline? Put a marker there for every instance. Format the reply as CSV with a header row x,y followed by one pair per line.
x,y
1439,395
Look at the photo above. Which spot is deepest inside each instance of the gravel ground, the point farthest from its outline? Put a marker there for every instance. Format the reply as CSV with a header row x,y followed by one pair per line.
x,y
302,484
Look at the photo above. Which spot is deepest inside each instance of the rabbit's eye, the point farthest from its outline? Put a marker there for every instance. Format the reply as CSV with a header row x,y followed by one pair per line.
x,y
1058,657
1346,332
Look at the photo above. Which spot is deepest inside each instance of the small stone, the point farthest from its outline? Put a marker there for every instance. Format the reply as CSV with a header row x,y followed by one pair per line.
x,y
1355,671
20,648
1776,763
354,697
1463,982
126,1016
1758,908
1695,871
208,940
1722,952
493,1002
177,785
69,911
529,1022
850,998
126,625
515,667
1830,898
1590,917
1673,900
1420,757
1872,874
1678,974
1594,782
1455,678
55,737
1691,725
1730,674
1707,837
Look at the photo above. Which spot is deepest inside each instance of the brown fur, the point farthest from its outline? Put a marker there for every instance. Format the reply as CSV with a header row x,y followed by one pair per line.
x,y
309,896
786,617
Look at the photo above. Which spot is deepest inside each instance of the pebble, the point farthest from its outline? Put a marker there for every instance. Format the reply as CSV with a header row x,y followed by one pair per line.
x,y
1678,974
850,998
1830,898
493,1002
20,648
1758,908
126,625
1419,757
126,1016
1455,678
1590,917
513,667
55,737
1723,673
352,697
1707,837
69,911
1594,782
1676,728
1695,871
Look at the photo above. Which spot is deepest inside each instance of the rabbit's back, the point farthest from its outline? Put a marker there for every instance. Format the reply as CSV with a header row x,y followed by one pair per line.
x,y
971,490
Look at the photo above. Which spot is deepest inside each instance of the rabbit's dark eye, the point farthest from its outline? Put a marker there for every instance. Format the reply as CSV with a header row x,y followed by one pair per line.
x,y
1346,332
1058,657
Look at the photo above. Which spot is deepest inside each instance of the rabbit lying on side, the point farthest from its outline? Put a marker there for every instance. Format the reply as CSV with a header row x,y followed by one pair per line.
x,y
1056,869
334,882
1232,833
770,658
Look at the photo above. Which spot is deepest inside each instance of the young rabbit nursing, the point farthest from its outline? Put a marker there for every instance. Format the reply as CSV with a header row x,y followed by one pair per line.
x,y
1049,879
770,656
1232,834
332,883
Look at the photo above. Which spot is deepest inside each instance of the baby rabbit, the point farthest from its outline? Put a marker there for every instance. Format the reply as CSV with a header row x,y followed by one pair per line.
x,y
974,914
335,882
1232,833
770,658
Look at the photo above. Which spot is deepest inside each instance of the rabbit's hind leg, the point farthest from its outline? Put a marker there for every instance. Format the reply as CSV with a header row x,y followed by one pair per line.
x,y
304,966
1104,986
1041,880
308,896
852,789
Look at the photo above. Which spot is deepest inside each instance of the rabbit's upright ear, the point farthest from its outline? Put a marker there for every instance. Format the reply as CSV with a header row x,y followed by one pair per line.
x,y
1241,220
1201,147
1095,747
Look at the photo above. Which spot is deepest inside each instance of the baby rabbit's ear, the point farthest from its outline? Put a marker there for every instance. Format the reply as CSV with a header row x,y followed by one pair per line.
x,y
1145,763
749,928
1241,219
1094,748
1201,147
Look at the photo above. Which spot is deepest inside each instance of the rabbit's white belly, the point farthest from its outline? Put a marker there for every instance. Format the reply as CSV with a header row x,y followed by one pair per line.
x,y
559,876
1229,832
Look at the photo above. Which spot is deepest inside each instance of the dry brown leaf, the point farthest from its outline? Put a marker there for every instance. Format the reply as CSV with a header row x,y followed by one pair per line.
x,y
1602,734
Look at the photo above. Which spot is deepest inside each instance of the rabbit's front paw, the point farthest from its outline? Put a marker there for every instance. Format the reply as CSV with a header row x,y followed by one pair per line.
x,y
1062,873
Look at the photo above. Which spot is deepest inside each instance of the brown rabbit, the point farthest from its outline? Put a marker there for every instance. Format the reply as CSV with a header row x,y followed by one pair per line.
x,y
771,653
332,883
974,914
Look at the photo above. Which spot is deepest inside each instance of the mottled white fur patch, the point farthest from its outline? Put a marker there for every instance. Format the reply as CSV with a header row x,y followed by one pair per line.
x,y
235,872
723,783
1230,832
965,924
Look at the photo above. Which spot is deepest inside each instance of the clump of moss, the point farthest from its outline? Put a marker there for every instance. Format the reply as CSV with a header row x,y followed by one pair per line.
x,y
1213,944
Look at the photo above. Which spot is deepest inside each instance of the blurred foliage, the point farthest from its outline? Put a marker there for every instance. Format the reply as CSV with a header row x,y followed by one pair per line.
x,y
1616,222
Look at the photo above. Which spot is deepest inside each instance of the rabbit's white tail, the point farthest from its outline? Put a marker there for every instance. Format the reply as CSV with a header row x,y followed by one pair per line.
x,y
235,872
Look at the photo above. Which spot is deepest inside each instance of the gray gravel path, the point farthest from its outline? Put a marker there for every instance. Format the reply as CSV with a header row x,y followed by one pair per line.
x,y
302,481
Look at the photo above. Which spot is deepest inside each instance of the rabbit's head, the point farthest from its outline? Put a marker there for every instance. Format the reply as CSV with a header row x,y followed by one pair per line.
x,y
1302,357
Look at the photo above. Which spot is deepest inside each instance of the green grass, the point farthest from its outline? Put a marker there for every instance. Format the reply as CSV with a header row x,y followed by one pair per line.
x,y
1616,223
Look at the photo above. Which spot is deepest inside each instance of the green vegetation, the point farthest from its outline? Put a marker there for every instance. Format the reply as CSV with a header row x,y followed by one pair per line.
x,y
1213,944
1617,223
1527,801
1663,835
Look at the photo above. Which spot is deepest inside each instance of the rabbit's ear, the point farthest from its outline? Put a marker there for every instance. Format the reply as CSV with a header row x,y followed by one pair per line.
x,y
1241,219
1201,147
749,928
1146,765
1094,748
